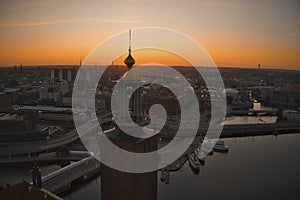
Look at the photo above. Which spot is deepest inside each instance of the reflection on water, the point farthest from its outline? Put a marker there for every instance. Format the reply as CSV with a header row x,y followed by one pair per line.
x,y
255,168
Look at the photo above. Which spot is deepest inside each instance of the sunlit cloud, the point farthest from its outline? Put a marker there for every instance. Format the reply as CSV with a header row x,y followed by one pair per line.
x,y
282,37
28,23
22,23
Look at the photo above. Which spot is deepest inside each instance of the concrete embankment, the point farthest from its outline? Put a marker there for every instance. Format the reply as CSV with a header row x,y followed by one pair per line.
x,y
244,130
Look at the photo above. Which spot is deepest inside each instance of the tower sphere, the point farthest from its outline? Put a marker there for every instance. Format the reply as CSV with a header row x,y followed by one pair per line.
x,y
129,60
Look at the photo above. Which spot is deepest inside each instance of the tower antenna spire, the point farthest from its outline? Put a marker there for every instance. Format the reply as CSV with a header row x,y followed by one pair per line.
x,y
129,50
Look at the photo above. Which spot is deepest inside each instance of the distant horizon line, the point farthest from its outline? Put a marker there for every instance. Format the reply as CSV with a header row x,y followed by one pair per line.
x,y
232,67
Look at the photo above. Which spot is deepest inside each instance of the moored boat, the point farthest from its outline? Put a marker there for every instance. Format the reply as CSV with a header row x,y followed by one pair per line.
x,y
220,146
194,161
200,155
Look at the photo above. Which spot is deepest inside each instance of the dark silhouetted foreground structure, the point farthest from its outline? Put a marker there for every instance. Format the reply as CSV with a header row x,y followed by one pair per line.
x,y
25,191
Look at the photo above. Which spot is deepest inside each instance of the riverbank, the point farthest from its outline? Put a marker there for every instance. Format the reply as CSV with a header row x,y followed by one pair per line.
x,y
245,130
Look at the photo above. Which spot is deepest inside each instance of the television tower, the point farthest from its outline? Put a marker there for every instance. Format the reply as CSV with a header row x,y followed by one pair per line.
x,y
129,60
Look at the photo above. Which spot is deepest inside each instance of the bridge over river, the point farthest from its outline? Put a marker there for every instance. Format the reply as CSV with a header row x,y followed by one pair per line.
x,y
45,157
61,180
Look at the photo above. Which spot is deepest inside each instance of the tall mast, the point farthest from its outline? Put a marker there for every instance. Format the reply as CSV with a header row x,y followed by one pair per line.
x,y
129,50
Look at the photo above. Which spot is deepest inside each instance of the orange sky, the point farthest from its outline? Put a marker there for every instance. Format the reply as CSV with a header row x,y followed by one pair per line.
x,y
146,56
235,34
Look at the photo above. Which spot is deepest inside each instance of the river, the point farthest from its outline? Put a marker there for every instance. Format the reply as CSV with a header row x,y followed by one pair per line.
x,y
264,167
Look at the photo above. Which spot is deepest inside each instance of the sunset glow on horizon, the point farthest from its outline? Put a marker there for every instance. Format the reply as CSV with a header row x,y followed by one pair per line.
x,y
235,34
154,56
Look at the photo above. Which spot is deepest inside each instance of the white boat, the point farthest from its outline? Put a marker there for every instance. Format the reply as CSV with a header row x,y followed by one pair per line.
x,y
200,155
220,146
211,152
207,148
194,161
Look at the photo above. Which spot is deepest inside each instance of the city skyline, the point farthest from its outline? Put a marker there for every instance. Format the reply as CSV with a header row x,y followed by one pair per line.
x,y
235,33
148,100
